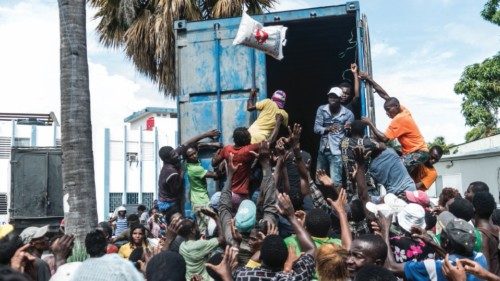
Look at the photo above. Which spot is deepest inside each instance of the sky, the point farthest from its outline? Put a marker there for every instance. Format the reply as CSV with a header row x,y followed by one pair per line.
x,y
419,50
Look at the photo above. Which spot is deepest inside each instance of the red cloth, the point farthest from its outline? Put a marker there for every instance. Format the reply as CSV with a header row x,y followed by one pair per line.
x,y
111,249
242,155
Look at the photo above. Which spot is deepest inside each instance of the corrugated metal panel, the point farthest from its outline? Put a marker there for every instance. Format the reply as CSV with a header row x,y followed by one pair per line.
x,y
5,147
3,203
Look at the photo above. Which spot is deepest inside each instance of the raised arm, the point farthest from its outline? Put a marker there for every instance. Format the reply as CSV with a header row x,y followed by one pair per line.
x,y
252,100
354,70
268,185
378,134
276,130
286,210
345,229
390,262
208,134
225,204
380,91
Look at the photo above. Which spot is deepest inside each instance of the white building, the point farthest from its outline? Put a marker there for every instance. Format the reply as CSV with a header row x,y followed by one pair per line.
x,y
127,168
474,161
27,130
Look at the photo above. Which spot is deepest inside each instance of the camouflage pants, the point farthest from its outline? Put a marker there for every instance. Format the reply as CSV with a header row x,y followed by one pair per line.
x,y
412,160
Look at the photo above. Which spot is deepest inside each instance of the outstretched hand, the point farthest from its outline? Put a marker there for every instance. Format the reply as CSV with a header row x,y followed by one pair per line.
x,y
285,206
363,75
454,273
212,134
339,204
227,265
294,136
62,248
354,68
230,166
323,178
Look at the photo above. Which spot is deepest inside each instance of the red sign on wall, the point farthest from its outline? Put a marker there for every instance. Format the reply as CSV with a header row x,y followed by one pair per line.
x,y
150,123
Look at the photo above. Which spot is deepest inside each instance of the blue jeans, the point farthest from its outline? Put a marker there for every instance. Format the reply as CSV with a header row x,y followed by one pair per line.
x,y
332,163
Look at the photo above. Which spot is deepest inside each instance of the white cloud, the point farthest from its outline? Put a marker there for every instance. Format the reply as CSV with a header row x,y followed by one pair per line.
x,y
383,49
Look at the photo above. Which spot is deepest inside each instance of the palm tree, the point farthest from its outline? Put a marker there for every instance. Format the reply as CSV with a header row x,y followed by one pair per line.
x,y
76,129
144,28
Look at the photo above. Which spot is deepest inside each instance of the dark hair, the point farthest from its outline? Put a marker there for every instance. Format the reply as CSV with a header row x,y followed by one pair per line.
x,y
430,220
165,264
484,204
318,223
186,228
345,85
378,250
438,149
141,208
164,153
95,243
358,128
495,217
133,218
357,212
9,274
392,100
8,247
372,272
479,186
241,136
136,256
141,227
106,228
462,209
274,252
446,194
458,248
215,260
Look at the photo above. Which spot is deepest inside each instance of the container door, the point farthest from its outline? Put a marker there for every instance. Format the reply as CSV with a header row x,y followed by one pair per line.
x,y
367,66
36,184
215,78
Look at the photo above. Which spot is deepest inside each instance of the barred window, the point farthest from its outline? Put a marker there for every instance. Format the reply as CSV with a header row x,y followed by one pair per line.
x,y
3,203
147,199
115,200
133,198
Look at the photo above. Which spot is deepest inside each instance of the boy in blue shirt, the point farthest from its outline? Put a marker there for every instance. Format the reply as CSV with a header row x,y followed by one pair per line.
x,y
457,239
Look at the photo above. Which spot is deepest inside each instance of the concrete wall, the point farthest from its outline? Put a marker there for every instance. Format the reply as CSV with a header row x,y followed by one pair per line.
x,y
460,171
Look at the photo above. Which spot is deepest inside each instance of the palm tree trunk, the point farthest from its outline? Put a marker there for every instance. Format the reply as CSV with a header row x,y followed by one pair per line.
x,y
76,126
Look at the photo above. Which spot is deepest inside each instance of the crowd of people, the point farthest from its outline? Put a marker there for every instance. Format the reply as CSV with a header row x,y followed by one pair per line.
x,y
363,214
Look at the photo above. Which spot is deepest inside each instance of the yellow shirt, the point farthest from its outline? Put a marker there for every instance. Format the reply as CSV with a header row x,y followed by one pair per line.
x,y
127,249
262,128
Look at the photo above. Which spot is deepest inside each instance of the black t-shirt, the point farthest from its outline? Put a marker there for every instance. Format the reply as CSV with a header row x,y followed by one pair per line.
x,y
354,107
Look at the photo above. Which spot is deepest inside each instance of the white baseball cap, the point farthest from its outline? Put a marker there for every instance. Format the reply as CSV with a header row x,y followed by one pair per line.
x,y
336,91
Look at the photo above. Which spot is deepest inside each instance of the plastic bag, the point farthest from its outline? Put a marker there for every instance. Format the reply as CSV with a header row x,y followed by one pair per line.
x,y
269,39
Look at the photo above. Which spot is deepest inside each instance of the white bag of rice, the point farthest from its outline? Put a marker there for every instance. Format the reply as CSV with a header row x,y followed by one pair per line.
x,y
269,39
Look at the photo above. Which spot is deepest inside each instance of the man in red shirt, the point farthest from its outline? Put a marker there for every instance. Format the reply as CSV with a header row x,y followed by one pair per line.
x,y
243,157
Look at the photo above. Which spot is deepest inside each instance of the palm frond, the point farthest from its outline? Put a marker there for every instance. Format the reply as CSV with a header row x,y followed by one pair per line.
x,y
127,11
145,29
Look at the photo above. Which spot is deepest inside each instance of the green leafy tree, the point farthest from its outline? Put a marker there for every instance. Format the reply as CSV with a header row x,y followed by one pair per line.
x,y
440,141
480,90
491,11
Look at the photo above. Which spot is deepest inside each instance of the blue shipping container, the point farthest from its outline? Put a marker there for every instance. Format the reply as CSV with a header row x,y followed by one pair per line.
x,y
214,77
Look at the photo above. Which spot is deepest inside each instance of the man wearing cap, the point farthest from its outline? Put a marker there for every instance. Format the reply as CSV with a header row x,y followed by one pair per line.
x,y
271,116
402,127
457,239
35,236
329,124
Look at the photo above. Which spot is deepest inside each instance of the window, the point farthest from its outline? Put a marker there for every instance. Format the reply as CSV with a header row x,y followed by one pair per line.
x,y
133,198
22,142
147,199
3,203
115,201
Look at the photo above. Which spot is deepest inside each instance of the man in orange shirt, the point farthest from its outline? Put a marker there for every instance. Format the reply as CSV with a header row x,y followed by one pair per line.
x,y
425,174
402,127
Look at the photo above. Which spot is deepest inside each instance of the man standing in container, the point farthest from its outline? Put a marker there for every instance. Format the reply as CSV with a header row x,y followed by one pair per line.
x,y
402,127
329,123
271,116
